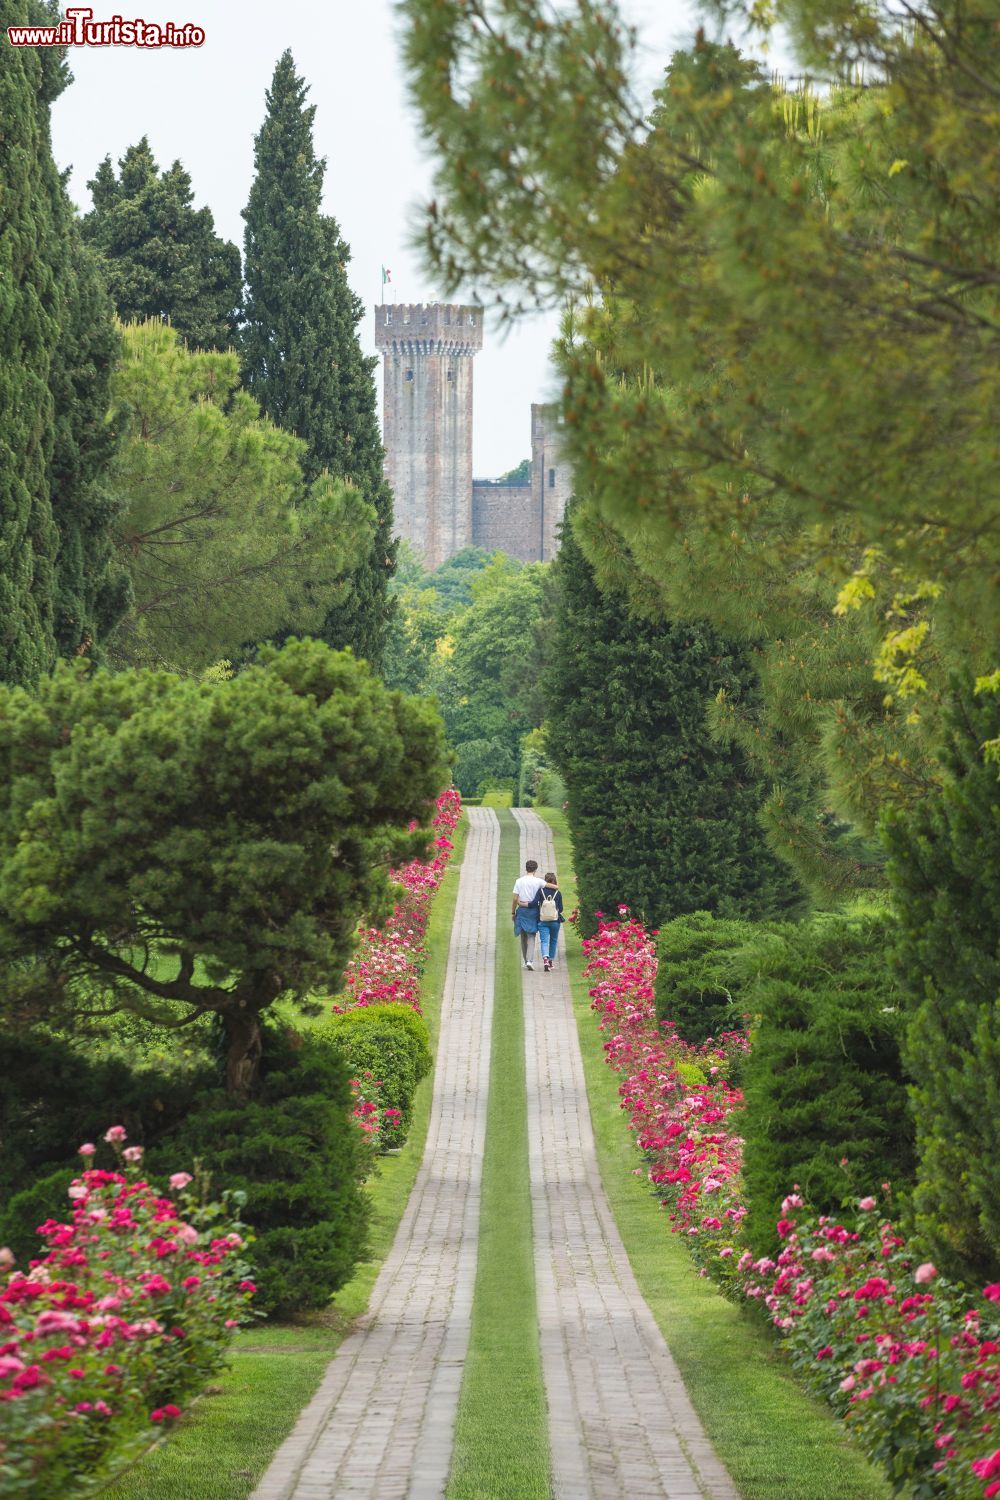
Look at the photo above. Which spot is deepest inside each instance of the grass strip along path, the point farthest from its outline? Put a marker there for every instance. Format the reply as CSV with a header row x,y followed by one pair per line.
x,y
221,1450
501,1444
776,1442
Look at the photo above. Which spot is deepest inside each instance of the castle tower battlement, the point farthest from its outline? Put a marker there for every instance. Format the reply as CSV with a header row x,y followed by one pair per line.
x,y
427,352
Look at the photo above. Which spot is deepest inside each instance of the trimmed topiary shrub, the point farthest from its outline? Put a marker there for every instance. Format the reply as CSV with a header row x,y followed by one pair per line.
x,y
824,1080
705,968
393,1044
301,1160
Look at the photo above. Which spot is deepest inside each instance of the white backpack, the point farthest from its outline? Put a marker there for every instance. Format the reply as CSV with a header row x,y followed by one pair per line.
x,y
549,911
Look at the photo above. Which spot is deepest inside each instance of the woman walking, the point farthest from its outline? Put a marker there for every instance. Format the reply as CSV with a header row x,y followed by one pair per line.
x,y
550,914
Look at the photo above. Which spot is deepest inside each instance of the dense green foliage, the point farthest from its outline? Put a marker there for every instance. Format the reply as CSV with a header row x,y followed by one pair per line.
x,y
92,587
426,604
824,1081
161,255
706,971
946,886
300,1158
56,342
207,844
780,368
664,819
55,1095
221,530
392,1043
489,689
302,359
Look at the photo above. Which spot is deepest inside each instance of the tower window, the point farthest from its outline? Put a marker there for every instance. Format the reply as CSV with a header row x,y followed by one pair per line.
x,y
552,479
408,375
451,374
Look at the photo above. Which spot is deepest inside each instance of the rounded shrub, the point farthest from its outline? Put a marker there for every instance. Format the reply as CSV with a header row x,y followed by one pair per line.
x,y
826,1098
393,1044
301,1160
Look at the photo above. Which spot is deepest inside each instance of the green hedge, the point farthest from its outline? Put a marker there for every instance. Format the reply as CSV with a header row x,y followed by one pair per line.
x,y
706,969
945,879
301,1159
824,1081
393,1044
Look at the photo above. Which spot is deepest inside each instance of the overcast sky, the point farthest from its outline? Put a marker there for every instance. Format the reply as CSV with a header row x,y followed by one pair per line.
x,y
204,105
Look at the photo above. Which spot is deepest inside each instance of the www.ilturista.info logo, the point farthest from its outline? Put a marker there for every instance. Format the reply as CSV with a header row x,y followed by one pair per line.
x,y
80,30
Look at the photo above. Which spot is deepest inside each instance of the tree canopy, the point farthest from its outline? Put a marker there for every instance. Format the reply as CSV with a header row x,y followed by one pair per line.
x,y
208,846
162,256
301,355
224,542
781,389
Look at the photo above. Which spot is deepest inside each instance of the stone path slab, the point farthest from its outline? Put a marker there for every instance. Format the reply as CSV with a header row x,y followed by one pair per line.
x,y
382,1422
620,1421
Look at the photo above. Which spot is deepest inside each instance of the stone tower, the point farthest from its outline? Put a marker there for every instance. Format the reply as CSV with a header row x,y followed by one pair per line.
x,y
427,354
551,477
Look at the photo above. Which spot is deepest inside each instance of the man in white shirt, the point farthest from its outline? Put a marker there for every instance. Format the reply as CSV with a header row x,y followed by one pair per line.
x,y
524,912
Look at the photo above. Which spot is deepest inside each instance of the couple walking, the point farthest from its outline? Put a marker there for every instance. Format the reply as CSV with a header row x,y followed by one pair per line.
x,y
537,908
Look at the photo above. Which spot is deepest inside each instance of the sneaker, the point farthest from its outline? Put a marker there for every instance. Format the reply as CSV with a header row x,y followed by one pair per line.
x,y
531,967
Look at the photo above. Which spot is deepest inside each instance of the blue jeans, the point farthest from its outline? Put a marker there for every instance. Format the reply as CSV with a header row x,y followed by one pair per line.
x,y
548,936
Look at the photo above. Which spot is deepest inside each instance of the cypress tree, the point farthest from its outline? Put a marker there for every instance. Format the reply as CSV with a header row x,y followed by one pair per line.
x,y
302,358
663,817
945,881
30,78
163,258
92,590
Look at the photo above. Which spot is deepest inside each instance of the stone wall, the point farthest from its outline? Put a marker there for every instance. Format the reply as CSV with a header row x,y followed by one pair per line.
x,y
505,519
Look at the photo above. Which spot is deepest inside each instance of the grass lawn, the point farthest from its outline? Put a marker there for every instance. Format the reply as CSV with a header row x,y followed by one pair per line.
x,y
501,1441
777,1442
220,1451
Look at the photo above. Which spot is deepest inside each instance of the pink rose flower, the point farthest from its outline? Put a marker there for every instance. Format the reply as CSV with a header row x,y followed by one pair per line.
x,y
925,1273
116,1134
87,1149
865,1204
180,1180
132,1153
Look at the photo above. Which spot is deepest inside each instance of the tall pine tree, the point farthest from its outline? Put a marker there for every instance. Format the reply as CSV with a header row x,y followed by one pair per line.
x,y
30,79
163,257
663,817
92,589
302,358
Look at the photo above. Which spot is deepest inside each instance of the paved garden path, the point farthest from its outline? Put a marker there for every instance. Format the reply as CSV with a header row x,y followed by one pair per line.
x,y
621,1426
382,1421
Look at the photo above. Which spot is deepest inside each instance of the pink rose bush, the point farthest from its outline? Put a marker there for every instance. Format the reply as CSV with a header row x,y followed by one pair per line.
x,y
901,1354
389,960
127,1313
387,965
